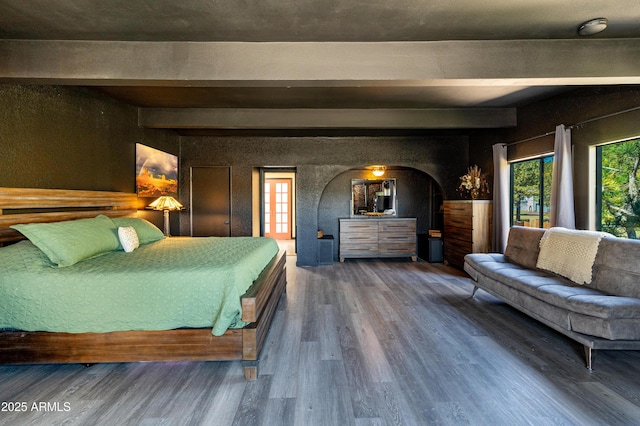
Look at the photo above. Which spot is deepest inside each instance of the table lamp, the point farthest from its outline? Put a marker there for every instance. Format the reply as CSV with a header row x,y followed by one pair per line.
x,y
166,204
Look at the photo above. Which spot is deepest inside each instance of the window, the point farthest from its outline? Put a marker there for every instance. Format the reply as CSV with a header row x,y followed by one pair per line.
x,y
531,192
617,197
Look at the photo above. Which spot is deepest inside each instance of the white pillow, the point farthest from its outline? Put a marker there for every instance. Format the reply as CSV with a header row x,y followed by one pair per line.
x,y
128,238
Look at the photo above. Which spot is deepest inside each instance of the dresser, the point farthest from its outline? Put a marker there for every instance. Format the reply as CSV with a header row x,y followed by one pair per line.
x,y
378,237
467,229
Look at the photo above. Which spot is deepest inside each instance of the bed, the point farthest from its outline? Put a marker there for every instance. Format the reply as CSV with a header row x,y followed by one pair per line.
x,y
137,306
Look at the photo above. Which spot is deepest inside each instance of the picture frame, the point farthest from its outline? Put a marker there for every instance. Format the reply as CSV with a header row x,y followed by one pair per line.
x,y
156,172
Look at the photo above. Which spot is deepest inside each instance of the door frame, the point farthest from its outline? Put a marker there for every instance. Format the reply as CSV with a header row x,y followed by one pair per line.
x,y
275,173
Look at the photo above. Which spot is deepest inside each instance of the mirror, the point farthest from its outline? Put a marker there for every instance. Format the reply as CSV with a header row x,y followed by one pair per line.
x,y
373,197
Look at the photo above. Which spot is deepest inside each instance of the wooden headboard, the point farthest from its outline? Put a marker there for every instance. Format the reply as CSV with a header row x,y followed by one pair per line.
x,y
31,205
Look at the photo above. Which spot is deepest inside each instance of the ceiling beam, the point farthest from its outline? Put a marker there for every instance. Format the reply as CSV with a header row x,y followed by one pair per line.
x,y
282,64
263,118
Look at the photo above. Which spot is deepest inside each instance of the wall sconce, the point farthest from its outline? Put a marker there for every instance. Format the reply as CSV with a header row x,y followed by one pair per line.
x,y
166,204
378,171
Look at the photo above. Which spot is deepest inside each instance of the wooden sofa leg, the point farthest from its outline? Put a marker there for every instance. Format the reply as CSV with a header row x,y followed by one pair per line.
x,y
588,353
473,293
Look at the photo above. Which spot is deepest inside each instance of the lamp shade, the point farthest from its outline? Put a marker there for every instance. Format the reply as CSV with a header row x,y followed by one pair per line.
x,y
166,203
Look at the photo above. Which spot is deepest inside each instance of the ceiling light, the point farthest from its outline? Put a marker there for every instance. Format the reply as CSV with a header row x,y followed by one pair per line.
x,y
378,171
593,26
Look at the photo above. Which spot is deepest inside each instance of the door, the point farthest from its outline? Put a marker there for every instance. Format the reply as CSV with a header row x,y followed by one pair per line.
x,y
211,201
277,208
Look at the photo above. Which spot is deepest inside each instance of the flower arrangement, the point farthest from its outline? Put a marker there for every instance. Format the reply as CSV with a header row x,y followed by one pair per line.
x,y
473,183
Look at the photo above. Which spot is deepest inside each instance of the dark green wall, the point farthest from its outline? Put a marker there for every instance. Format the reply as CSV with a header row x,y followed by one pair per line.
x,y
318,161
72,138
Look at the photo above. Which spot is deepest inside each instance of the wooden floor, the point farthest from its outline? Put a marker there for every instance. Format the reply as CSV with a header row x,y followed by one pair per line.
x,y
288,245
365,342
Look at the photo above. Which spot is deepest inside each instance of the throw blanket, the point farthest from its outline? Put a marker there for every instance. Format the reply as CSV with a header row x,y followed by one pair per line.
x,y
569,253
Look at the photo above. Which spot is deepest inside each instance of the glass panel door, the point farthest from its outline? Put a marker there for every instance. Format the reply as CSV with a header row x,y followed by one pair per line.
x,y
277,208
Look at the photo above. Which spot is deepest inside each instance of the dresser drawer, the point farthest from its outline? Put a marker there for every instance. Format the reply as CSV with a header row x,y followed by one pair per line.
x,y
465,222
453,208
358,238
347,250
451,231
363,226
398,226
406,248
397,238
458,245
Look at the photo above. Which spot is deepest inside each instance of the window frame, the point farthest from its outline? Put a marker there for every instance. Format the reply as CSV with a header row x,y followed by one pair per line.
x,y
541,161
598,179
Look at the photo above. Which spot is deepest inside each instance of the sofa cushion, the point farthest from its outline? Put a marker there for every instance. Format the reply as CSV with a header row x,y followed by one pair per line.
x,y
616,269
526,303
610,328
499,268
475,263
531,283
590,302
523,246
489,264
604,306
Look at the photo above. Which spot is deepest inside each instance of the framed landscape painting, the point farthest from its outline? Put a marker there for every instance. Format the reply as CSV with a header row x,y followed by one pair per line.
x,y
156,172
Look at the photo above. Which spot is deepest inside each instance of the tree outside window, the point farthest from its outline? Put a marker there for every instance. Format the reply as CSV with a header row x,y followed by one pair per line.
x,y
618,198
531,192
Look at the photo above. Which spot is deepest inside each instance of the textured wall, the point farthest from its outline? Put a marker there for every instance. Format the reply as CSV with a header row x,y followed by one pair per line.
x,y
318,161
597,107
72,138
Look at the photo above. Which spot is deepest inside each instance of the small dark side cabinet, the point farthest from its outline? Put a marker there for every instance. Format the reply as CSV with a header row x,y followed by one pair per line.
x,y
430,248
325,250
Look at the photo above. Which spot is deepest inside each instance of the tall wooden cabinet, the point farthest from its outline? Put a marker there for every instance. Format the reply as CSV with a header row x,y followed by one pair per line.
x,y
378,237
467,229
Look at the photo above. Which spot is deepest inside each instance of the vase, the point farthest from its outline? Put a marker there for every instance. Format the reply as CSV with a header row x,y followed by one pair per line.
x,y
474,194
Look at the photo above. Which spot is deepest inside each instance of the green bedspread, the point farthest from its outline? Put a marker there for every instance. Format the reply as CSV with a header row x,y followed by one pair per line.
x,y
172,283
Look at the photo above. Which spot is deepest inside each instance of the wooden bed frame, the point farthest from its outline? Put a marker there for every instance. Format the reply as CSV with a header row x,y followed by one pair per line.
x,y
26,205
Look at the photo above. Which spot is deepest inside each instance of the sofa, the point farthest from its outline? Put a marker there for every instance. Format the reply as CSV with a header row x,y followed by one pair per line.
x,y
603,312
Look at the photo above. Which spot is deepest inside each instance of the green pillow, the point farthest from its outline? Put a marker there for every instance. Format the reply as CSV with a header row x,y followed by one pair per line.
x,y
147,231
67,243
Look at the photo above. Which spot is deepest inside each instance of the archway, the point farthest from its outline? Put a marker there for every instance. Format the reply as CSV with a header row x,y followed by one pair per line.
x,y
418,195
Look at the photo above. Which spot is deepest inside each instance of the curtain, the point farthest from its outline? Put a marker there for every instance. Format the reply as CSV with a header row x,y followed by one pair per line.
x,y
501,196
561,204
